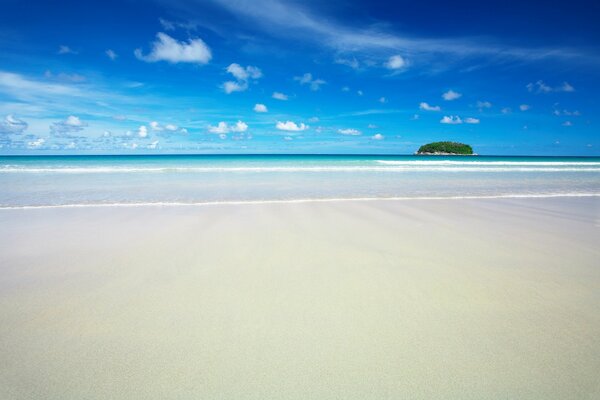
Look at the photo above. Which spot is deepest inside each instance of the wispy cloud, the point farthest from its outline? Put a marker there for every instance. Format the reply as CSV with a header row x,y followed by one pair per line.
x,y
282,18
280,96
541,87
111,54
307,79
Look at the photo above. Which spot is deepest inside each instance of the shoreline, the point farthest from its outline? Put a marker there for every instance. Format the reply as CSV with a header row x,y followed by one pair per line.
x,y
301,201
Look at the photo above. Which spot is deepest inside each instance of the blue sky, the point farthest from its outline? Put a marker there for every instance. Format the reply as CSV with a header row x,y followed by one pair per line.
x,y
273,76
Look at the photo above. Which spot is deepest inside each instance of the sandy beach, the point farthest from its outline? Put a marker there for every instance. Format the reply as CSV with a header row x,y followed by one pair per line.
x,y
438,299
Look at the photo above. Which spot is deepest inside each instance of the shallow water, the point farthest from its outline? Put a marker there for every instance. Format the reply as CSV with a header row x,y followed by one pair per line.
x,y
91,180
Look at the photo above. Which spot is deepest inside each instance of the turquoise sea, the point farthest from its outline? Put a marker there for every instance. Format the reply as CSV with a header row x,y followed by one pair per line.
x,y
40,181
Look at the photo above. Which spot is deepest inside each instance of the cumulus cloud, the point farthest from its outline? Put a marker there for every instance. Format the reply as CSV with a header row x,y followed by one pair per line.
x,y
541,87
68,126
349,131
471,120
242,75
524,107
451,95
280,96
165,48
142,131
12,125
223,128
307,79
452,120
377,136
260,108
395,62
290,126
427,107
111,54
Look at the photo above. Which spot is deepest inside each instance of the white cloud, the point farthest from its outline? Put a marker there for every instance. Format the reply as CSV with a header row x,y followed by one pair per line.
x,y
470,120
111,54
345,89
349,131
541,87
171,127
452,120
223,128
524,107
165,48
396,62
12,125
377,136
70,125
239,127
427,107
62,49
382,100
243,74
260,108
483,104
415,117
36,143
307,79
372,126
155,126
359,92
567,113
290,126
506,110
313,119
451,95
231,86
567,123
279,96
142,131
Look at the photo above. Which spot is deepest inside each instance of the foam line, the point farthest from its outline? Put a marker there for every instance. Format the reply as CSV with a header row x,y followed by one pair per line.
x,y
296,201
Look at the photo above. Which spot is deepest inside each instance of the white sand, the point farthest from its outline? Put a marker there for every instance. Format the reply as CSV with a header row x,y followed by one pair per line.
x,y
452,299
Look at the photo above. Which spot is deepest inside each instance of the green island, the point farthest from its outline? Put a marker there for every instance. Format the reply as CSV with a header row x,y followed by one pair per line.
x,y
445,148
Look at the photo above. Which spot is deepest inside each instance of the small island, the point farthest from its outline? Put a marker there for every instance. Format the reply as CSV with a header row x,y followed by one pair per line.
x,y
445,149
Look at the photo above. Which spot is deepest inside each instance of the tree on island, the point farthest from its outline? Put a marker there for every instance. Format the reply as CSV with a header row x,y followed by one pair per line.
x,y
443,148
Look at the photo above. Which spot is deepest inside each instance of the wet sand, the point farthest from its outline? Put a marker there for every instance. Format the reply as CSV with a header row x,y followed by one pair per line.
x,y
439,299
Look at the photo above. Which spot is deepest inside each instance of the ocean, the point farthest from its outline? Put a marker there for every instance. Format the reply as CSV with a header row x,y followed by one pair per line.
x,y
71,181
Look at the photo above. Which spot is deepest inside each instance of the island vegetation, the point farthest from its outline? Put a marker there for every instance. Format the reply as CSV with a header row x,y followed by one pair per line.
x,y
445,148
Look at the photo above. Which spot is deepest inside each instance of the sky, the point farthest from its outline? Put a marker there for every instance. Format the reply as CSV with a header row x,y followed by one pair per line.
x,y
275,76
